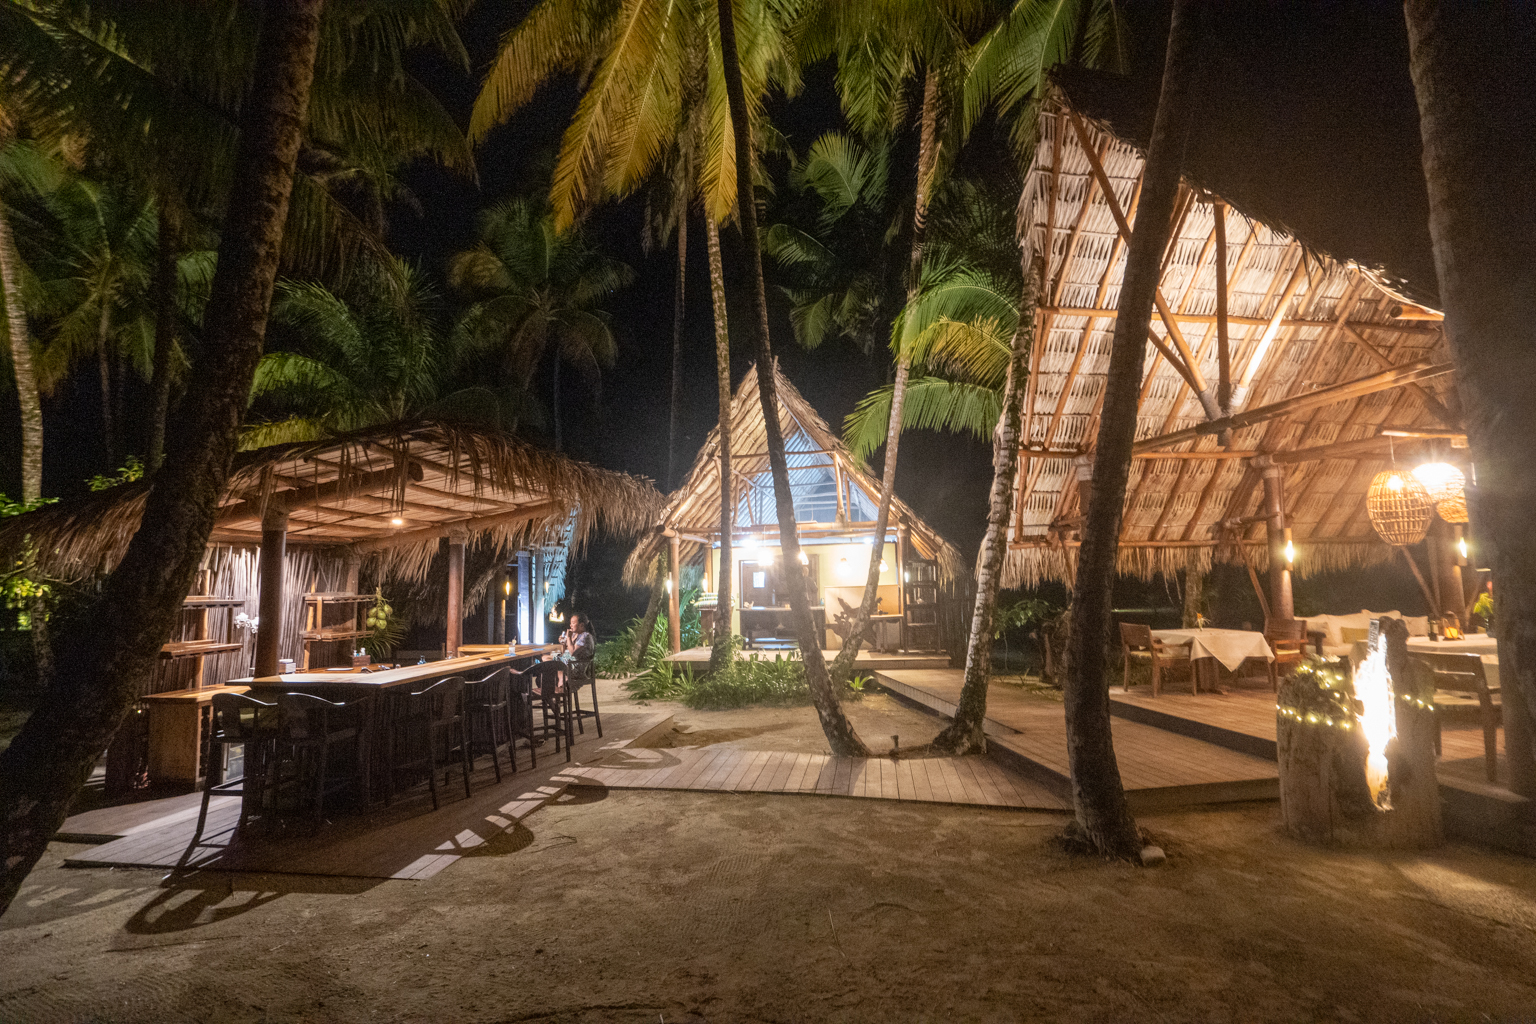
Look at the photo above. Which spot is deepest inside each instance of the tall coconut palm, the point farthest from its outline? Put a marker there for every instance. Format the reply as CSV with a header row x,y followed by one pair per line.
x,y
841,736
537,291
1098,796
16,163
1477,106
106,654
654,102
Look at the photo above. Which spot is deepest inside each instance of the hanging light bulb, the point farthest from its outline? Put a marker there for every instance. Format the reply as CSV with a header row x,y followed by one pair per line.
x,y
1441,479
397,521
1394,482
1461,545
804,558
883,566
1290,553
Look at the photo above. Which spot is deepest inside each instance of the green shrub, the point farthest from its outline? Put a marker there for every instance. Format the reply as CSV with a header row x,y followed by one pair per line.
x,y
752,681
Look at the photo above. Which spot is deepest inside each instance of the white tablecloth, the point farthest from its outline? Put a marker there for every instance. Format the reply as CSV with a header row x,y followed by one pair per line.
x,y
1477,643
1231,647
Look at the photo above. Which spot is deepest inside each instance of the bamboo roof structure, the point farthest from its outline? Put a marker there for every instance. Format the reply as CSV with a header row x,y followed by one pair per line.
x,y
835,492
1335,371
389,493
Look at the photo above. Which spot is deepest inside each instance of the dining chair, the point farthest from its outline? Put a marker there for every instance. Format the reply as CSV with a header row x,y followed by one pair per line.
x,y
426,730
255,726
488,719
1137,643
1287,641
1463,673
312,726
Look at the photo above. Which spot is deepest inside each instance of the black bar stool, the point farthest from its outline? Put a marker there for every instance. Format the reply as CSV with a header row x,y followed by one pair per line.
x,y
488,719
426,730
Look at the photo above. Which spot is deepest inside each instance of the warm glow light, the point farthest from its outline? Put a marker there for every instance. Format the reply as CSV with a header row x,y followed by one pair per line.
x,y
669,585
844,570
1394,482
765,556
870,541
1461,545
1378,719
804,558
1290,553
1442,480
397,521
883,566
506,588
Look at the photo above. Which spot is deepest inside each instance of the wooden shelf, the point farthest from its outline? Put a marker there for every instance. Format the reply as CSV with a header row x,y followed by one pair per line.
x,y
333,634
202,601
194,648
339,598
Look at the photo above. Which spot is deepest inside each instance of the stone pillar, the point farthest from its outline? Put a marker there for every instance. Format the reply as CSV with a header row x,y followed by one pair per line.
x,y
674,585
455,639
269,631
1280,607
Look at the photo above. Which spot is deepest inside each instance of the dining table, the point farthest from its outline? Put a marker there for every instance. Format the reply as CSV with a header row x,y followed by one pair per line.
x,y
1210,648
347,684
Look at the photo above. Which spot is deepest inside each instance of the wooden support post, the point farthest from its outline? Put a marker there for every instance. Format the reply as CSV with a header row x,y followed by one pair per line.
x,y
269,631
1223,345
1280,606
352,569
524,597
674,586
1447,570
500,600
455,639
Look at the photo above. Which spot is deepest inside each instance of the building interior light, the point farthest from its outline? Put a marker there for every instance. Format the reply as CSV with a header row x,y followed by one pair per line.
x,y
397,521
804,558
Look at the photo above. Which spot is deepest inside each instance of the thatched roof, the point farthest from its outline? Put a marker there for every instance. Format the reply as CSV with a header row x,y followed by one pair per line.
x,y
1299,321
391,493
813,450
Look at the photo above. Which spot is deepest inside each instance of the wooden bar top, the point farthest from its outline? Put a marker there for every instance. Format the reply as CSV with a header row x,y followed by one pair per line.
x,y
384,679
197,696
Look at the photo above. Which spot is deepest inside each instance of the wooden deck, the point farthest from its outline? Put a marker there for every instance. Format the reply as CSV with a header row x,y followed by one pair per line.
x,y
957,780
408,840
1159,768
867,659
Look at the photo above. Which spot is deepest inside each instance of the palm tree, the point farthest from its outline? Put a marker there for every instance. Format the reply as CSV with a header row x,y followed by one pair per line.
x,y
1473,88
1097,793
840,733
384,356
654,99
93,274
104,656
18,337
537,291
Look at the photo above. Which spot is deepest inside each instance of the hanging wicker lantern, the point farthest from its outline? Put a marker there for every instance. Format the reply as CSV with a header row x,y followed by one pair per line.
x,y
1453,509
1441,479
1399,507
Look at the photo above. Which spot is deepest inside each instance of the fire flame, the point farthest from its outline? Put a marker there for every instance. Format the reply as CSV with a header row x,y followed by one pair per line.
x,y
1378,720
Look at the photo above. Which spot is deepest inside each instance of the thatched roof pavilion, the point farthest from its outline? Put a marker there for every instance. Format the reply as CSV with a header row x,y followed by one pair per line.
x,y
1337,371
387,497
836,498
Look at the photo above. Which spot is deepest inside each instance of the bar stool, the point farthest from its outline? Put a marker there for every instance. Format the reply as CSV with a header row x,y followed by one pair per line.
x,y
554,702
520,693
312,726
581,673
256,726
488,720
423,724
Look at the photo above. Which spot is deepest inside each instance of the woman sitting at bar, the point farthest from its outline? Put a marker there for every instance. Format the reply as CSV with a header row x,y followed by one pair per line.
x,y
576,643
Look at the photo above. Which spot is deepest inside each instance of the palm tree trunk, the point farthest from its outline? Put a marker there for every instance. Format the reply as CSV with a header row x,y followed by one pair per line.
x,y
964,735
927,160
1477,107
103,367
167,249
21,366
1097,792
652,610
31,428
556,400
839,731
677,340
110,648
724,579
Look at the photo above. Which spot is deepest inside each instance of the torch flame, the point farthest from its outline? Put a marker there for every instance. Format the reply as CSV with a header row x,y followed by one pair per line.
x,y
1378,720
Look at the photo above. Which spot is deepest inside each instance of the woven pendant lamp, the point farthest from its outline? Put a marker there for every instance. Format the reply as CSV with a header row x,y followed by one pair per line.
x,y
1442,480
1453,509
1399,507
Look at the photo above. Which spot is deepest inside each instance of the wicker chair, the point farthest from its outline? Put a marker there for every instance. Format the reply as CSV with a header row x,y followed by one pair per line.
x,y
1288,642
426,730
1138,644
488,717
312,726
256,726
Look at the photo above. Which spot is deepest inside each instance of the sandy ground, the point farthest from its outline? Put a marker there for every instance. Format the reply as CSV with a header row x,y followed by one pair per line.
x,y
644,906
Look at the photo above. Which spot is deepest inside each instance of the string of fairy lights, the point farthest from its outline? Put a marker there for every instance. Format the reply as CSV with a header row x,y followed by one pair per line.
x,y
1332,703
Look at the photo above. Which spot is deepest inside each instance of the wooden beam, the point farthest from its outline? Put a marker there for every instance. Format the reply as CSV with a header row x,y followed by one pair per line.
x,y
1223,345
1272,328
1421,369
1248,321
1436,408
1215,453
317,495
541,510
